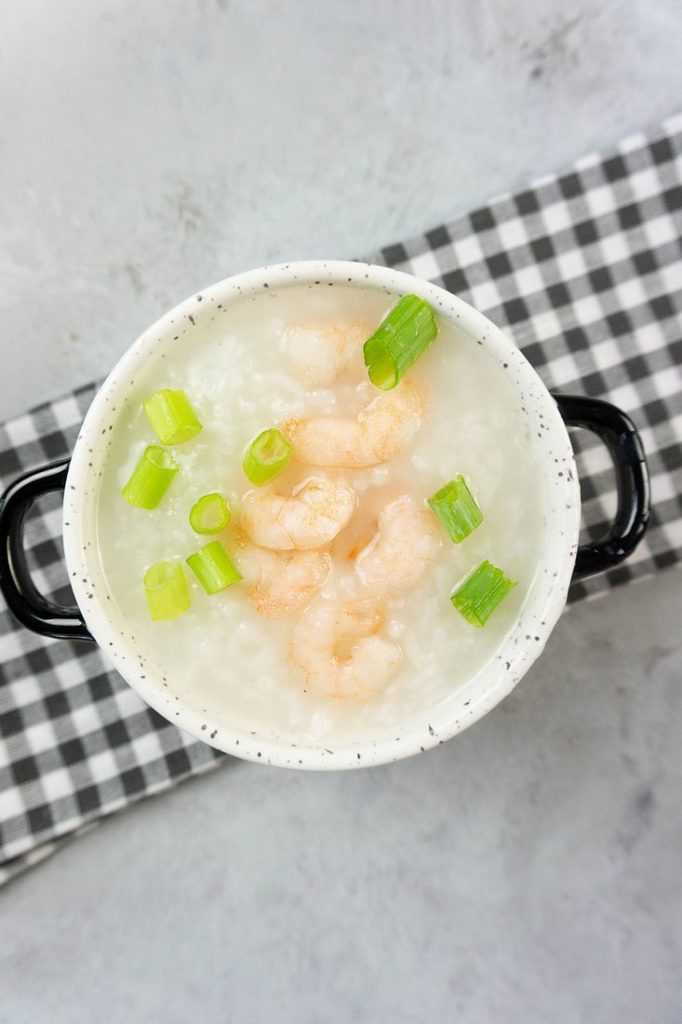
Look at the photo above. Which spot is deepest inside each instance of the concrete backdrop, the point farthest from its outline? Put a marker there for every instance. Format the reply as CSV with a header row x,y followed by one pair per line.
x,y
527,871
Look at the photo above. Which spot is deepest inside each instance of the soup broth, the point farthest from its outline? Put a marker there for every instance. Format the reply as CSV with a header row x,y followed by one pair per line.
x,y
243,369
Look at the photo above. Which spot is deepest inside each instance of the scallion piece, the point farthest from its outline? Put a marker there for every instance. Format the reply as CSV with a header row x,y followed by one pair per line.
x,y
166,590
213,567
399,340
210,514
456,509
172,416
151,478
266,457
478,597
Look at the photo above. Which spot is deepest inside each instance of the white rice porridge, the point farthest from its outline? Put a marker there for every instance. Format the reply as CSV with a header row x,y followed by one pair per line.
x,y
240,379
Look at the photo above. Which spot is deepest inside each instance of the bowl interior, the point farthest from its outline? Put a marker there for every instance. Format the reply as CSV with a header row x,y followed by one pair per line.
x,y
248,728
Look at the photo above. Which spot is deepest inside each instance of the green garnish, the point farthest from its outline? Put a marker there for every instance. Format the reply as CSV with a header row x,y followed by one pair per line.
x,y
399,340
213,567
456,509
478,597
210,514
166,590
151,478
266,457
172,416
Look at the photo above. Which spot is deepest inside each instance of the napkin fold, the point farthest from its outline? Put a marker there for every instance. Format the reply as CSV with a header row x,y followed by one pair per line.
x,y
583,270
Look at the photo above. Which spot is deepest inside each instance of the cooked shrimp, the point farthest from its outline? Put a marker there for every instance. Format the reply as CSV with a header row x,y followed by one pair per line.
x,y
403,547
323,352
311,517
281,583
384,427
319,638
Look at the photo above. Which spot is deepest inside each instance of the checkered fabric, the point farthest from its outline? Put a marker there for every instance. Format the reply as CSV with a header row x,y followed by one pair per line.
x,y
583,270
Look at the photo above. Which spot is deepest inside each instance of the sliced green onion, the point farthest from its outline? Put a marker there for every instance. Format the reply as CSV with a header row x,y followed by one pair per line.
x,y
478,597
166,590
399,340
172,416
266,457
210,514
151,478
456,509
213,567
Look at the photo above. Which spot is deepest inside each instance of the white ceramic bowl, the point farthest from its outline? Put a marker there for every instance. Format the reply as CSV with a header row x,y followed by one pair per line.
x,y
540,610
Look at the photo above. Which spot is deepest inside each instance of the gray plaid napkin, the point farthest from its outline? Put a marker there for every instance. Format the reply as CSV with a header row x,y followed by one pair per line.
x,y
583,270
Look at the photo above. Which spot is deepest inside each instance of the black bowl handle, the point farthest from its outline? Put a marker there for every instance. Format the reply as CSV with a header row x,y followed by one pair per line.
x,y
18,589
609,423
618,433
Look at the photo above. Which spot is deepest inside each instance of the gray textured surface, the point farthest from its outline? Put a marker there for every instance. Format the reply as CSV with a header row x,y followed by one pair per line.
x,y
530,869
148,150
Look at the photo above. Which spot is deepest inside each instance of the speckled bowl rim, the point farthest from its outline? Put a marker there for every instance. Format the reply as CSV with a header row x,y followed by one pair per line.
x,y
522,645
